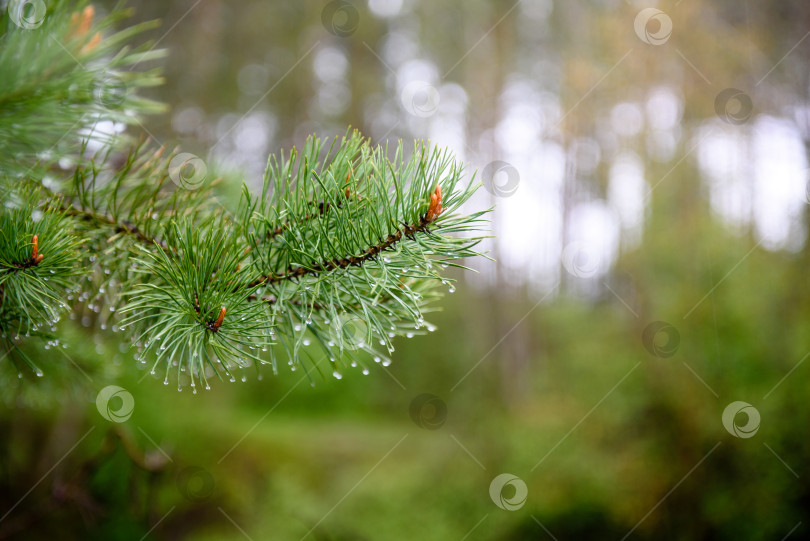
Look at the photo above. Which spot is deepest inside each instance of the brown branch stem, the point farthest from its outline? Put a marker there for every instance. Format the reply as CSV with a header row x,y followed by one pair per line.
x,y
407,231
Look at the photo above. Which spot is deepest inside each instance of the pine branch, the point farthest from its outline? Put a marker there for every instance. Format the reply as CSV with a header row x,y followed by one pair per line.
x,y
38,267
342,251
118,227
370,253
64,76
373,290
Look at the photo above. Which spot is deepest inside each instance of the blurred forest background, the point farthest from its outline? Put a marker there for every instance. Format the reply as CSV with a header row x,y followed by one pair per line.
x,y
630,188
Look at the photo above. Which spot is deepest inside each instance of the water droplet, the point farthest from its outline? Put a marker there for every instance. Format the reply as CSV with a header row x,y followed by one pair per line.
x,y
337,374
365,371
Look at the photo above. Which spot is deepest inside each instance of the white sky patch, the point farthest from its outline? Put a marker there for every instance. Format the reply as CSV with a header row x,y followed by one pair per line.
x,y
448,127
723,159
595,228
627,191
385,8
757,177
664,109
780,177
627,119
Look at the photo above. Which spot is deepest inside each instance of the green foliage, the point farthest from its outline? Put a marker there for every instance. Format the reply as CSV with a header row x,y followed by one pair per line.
x,y
336,252
176,297
59,79
342,250
38,267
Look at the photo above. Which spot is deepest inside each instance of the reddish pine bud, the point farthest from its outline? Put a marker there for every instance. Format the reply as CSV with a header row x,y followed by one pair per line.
x,y
435,207
218,323
35,248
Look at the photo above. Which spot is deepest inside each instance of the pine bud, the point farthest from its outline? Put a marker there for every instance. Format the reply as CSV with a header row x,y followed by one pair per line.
x,y
218,323
435,207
